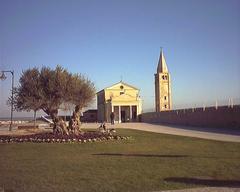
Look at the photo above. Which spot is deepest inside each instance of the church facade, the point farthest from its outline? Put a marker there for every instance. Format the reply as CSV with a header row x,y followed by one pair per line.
x,y
163,96
122,99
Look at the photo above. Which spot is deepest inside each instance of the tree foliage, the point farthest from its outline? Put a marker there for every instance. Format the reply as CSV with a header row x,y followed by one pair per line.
x,y
48,89
28,95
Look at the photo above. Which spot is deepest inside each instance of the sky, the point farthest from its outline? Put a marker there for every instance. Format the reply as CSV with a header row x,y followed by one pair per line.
x,y
110,40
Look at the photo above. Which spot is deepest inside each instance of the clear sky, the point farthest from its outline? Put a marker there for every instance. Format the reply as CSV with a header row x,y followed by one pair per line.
x,y
107,40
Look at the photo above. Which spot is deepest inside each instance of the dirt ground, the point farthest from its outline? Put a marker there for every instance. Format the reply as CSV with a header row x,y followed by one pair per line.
x,y
4,130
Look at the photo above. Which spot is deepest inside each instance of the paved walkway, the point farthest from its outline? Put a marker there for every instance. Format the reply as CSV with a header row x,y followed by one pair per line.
x,y
219,134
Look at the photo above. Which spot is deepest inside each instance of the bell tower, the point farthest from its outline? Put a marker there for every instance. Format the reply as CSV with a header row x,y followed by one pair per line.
x,y
163,97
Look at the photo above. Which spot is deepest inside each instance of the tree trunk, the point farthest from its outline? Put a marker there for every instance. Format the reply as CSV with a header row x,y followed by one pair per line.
x,y
75,123
35,118
59,125
78,115
55,120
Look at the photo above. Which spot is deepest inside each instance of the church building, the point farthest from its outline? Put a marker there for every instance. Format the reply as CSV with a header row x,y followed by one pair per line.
x,y
163,97
122,99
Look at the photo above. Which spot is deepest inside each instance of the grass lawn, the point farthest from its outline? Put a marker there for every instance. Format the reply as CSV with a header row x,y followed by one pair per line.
x,y
147,162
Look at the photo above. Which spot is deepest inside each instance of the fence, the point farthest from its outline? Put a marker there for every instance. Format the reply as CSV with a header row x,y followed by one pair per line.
x,y
231,102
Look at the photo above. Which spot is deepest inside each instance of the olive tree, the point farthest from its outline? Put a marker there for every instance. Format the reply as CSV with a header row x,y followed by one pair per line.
x,y
48,89
81,94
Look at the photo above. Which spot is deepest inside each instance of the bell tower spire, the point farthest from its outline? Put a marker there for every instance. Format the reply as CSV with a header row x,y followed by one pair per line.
x,y
163,97
162,65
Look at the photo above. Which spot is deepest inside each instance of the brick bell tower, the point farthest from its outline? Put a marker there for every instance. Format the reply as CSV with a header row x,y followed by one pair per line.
x,y
163,97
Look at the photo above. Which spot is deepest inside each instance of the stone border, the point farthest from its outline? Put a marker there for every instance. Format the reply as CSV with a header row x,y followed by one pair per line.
x,y
61,140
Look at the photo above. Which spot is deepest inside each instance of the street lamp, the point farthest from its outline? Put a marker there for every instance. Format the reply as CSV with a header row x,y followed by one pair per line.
x,y
3,77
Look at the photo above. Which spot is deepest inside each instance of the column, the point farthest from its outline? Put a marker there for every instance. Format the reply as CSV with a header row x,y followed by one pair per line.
x,y
130,113
119,114
107,112
137,109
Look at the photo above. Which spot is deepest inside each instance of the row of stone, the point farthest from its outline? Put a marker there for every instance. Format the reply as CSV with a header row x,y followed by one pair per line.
x,y
52,140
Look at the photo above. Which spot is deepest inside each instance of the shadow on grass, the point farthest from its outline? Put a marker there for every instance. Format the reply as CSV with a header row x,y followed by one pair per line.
x,y
139,155
202,181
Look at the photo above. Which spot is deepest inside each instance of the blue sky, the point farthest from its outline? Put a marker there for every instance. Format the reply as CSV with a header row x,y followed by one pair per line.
x,y
107,40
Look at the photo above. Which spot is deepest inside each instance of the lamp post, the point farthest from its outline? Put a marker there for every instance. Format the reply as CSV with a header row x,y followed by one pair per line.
x,y
3,77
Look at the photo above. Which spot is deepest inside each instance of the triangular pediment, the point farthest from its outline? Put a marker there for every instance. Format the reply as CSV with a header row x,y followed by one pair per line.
x,y
121,85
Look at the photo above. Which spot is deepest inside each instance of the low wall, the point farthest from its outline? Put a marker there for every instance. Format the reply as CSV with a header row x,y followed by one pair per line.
x,y
223,116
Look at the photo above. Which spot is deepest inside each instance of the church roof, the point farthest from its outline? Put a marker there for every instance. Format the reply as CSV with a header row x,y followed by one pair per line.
x,y
162,65
122,83
116,85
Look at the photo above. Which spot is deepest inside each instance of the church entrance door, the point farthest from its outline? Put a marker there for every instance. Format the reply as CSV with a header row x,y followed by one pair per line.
x,y
123,116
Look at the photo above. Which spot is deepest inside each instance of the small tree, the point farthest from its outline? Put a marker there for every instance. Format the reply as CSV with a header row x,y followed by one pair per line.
x,y
81,94
54,88
28,95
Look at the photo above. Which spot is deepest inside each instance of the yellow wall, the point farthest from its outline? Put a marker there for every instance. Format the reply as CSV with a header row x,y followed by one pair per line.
x,y
120,94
